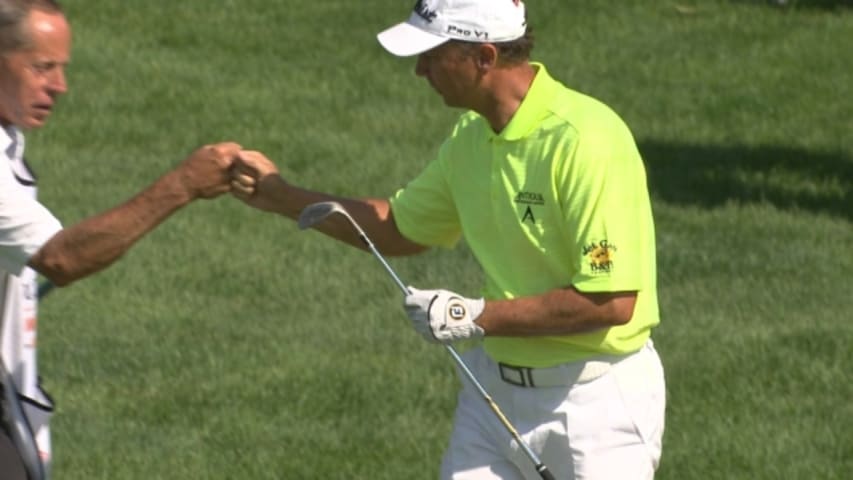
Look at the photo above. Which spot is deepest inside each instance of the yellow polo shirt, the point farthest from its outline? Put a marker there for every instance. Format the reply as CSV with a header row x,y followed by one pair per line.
x,y
558,198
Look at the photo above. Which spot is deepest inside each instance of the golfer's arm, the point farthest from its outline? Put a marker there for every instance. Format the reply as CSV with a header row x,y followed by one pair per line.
x,y
373,215
95,243
562,311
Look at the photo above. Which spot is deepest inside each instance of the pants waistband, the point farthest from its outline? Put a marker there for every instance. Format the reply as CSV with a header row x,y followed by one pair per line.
x,y
559,376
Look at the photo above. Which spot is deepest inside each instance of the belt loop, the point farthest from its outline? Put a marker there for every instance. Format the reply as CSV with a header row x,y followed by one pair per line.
x,y
530,377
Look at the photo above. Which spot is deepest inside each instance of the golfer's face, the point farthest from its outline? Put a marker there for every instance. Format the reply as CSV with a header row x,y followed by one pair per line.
x,y
451,70
33,77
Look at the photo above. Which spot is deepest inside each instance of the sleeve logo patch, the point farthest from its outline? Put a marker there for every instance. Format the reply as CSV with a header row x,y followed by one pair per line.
x,y
600,256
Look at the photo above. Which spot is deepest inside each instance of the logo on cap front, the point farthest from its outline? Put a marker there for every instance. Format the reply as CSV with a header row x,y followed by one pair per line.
x,y
424,12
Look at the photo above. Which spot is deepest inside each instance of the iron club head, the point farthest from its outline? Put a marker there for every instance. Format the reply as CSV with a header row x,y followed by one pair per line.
x,y
317,212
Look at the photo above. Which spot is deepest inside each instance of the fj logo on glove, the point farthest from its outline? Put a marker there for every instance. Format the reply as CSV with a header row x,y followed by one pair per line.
x,y
456,311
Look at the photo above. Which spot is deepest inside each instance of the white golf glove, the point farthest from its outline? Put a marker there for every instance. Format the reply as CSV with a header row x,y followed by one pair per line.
x,y
442,316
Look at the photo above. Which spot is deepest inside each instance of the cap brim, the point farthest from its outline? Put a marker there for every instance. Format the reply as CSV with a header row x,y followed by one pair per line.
x,y
405,40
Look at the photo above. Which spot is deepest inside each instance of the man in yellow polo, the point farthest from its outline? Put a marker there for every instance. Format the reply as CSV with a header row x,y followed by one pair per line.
x,y
548,189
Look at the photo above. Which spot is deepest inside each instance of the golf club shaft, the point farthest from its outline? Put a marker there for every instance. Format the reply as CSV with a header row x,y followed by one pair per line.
x,y
540,467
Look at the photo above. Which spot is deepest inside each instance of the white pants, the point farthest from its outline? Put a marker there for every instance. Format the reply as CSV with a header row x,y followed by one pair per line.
x,y
603,423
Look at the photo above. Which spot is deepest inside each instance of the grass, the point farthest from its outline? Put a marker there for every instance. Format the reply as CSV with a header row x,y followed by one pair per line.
x,y
229,345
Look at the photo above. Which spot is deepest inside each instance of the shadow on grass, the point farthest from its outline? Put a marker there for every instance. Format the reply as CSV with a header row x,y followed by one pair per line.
x,y
788,178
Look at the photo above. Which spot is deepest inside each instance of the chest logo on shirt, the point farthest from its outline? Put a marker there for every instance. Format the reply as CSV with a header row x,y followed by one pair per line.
x,y
600,255
529,199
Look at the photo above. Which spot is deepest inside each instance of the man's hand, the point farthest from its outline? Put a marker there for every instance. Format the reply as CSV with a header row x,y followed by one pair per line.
x,y
205,173
255,180
442,316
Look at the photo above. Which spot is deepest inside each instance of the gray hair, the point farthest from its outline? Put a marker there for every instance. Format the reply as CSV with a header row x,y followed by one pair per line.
x,y
512,52
13,13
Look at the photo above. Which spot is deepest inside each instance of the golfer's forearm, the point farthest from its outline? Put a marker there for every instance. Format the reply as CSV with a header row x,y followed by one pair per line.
x,y
98,241
563,311
373,215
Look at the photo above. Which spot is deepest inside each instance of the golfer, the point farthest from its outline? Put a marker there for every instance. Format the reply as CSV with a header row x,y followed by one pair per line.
x,y
547,188
35,42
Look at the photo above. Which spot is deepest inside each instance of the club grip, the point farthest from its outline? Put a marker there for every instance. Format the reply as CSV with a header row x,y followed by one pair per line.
x,y
544,472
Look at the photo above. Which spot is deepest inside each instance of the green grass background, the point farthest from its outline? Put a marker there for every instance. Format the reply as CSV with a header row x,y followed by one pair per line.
x,y
230,345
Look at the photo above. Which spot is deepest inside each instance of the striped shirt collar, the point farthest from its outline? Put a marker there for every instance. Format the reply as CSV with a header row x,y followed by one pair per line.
x,y
12,145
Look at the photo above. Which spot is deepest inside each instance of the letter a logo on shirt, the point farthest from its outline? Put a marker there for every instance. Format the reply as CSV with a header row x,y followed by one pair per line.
x,y
528,214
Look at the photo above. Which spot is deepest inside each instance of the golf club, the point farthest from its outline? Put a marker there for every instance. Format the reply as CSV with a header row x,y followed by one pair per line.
x,y
316,213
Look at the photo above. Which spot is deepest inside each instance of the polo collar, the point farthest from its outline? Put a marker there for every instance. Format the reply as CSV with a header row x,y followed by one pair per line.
x,y
535,106
6,139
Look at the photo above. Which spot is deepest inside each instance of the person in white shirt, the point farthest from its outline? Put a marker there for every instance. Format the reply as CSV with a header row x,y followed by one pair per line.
x,y
35,42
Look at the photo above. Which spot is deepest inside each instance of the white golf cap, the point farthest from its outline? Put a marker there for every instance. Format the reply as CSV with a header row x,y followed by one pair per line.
x,y
434,22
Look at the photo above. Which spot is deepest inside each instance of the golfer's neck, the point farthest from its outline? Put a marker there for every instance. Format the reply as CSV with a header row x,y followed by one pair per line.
x,y
505,89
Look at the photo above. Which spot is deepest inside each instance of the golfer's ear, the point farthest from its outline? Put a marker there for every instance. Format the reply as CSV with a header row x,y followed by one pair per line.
x,y
487,56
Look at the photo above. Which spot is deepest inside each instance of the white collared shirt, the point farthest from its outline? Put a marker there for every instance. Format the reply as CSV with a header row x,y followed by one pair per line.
x,y
25,224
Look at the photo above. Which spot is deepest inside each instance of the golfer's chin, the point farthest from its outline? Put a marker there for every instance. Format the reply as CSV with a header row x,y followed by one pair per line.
x,y
35,120
444,97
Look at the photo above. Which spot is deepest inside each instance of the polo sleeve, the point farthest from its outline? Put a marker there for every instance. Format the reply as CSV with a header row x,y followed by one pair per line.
x,y
25,225
425,211
607,206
